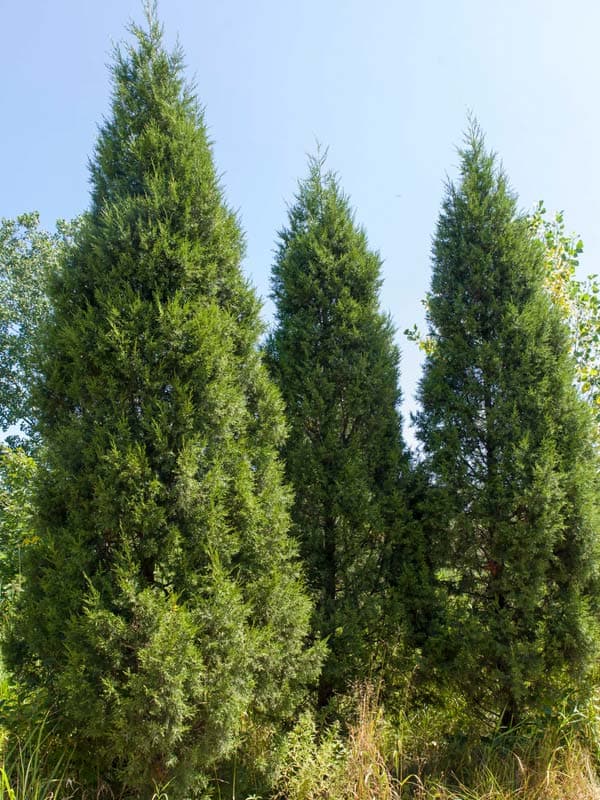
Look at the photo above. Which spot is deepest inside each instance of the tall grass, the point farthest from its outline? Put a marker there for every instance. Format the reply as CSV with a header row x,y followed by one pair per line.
x,y
549,768
332,766
28,773
551,759
373,758
378,760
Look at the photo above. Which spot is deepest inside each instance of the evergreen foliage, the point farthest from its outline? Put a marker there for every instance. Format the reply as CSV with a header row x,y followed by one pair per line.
x,y
163,609
334,358
508,445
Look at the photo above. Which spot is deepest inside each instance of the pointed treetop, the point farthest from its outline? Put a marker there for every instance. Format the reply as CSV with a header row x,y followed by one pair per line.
x,y
151,14
478,163
150,97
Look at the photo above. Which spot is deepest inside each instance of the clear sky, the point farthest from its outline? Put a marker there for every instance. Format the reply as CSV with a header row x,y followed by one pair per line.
x,y
385,84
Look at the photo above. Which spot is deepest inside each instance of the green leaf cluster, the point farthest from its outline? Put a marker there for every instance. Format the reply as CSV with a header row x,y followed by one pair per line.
x,y
17,474
578,300
29,256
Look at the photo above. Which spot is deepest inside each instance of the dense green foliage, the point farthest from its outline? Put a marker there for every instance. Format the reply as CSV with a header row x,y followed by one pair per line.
x,y
17,474
29,256
153,612
508,444
163,611
578,300
333,355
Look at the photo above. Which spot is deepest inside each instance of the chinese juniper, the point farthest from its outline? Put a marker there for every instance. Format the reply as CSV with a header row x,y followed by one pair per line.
x,y
163,610
508,443
333,355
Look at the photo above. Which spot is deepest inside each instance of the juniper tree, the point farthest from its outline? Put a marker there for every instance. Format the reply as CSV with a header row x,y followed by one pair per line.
x,y
333,355
508,443
163,609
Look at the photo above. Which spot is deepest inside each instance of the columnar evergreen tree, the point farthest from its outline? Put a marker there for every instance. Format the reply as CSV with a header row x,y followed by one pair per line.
x,y
333,355
163,609
508,443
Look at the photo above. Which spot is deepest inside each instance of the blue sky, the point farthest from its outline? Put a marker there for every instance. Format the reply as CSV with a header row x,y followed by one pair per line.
x,y
385,85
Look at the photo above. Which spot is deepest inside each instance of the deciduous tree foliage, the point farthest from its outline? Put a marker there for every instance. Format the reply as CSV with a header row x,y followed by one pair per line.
x,y
578,300
29,256
334,358
163,609
508,443
17,474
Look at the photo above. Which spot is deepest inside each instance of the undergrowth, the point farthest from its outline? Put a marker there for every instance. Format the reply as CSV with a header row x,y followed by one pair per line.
x,y
26,773
428,757
371,756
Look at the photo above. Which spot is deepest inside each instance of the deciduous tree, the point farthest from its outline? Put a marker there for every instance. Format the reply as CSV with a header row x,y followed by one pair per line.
x,y
578,300
29,256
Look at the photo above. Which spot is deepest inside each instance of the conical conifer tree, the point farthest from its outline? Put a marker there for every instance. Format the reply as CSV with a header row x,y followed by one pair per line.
x,y
163,608
333,355
508,443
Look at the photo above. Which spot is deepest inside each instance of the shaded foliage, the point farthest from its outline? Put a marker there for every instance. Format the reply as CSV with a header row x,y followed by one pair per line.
x,y
333,355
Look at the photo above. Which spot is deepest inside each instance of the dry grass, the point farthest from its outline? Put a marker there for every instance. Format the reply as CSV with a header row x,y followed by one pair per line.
x,y
332,767
367,773
567,774
376,762
575,780
554,764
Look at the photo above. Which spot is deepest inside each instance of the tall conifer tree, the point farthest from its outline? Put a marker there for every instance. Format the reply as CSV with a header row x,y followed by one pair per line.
x,y
333,354
163,607
508,443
